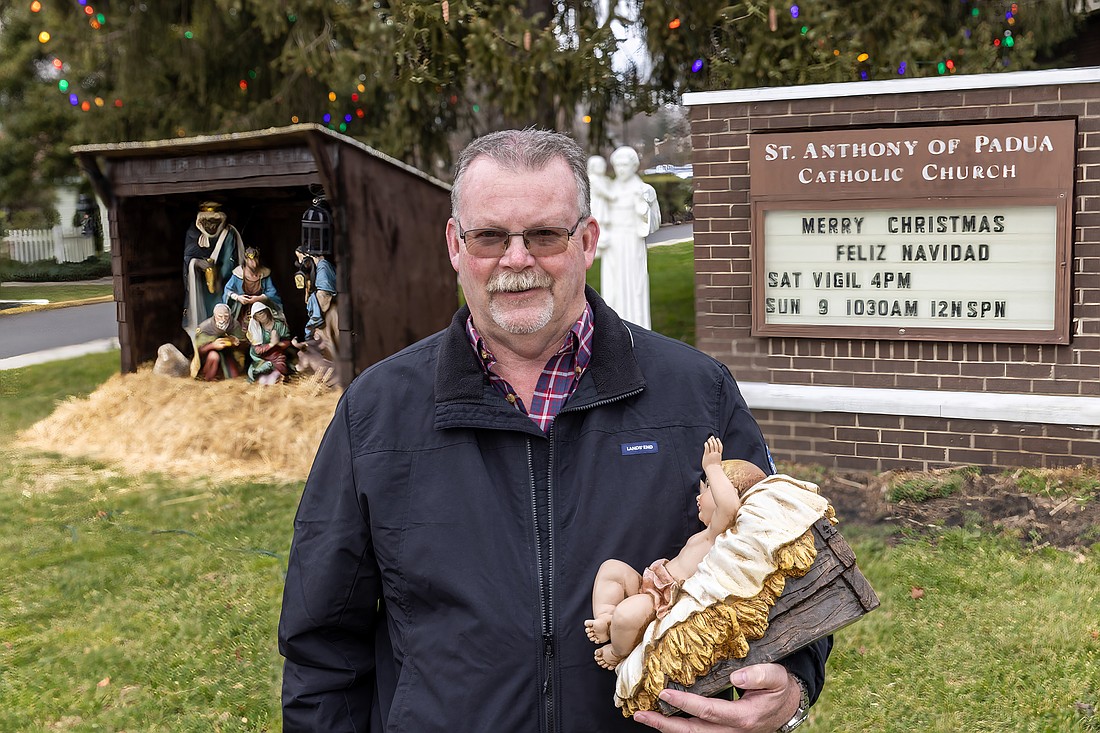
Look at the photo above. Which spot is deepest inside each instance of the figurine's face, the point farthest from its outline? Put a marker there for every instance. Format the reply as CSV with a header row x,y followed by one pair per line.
x,y
264,317
705,502
625,163
222,316
211,221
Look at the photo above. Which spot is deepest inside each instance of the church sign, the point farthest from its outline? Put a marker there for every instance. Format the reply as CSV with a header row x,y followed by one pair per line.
x,y
961,231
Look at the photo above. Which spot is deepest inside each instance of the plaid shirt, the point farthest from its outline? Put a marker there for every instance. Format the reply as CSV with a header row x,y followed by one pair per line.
x,y
558,378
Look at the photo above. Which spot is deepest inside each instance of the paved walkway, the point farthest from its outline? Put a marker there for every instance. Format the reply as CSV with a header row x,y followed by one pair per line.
x,y
61,352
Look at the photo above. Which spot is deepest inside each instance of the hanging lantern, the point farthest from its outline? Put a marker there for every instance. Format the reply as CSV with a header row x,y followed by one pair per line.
x,y
317,228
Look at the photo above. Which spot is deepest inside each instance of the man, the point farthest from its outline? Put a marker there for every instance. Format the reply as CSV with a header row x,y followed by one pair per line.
x,y
469,488
218,345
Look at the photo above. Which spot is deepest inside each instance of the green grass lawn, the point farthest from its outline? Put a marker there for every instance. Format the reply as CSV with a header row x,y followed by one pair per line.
x,y
671,289
30,394
993,622
56,293
150,603
139,604
127,603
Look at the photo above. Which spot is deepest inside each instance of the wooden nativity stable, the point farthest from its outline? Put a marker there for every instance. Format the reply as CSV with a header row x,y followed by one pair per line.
x,y
395,282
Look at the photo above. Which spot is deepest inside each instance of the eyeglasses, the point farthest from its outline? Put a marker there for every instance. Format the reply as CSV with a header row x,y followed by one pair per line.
x,y
540,241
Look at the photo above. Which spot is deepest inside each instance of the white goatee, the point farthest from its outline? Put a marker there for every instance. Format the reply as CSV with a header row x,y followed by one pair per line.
x,y
517,282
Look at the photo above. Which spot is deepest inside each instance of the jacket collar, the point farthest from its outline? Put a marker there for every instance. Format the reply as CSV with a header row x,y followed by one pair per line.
x,y
460,382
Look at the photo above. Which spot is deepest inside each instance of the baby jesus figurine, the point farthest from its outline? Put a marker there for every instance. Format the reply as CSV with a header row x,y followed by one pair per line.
x,y
624,603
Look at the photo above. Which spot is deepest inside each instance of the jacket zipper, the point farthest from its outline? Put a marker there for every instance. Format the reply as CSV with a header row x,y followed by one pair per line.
x,y
543,565
546,565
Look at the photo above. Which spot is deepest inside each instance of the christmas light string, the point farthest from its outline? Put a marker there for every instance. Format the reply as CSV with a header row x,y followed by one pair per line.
x,y
96,21
1007,40
341,119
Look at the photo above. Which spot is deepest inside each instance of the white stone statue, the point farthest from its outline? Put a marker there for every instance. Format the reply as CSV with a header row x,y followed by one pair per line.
x,y
633,215
600,185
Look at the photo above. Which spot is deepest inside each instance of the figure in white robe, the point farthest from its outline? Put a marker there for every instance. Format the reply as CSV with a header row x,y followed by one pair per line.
x,y
600,185
634,215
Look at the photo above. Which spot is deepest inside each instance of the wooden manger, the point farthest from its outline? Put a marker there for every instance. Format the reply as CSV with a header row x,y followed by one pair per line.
x,y
830,596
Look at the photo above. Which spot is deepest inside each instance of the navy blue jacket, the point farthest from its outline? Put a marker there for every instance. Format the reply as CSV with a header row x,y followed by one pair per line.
x,y
445,547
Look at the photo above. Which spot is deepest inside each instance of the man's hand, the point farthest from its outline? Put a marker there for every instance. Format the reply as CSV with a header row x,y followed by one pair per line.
x,y
770,700
201,264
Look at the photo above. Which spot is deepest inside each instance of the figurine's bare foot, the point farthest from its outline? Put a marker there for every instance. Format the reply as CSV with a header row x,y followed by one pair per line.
x,y
607,658
598,629
712,452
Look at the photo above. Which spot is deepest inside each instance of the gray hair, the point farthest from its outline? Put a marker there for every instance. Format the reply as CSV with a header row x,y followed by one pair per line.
x,y
528,149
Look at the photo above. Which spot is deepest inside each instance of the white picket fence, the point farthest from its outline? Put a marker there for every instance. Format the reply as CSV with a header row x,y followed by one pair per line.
x,y
63,244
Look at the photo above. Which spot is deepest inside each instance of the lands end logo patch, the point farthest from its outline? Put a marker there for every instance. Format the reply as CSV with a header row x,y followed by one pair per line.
x,y
631,449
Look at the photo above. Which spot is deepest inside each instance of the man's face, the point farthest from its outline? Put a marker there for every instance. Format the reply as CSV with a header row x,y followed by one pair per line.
x,y
221,319
518,293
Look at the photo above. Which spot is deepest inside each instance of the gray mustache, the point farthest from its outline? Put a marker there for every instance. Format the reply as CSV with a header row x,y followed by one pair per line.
x,y
513,282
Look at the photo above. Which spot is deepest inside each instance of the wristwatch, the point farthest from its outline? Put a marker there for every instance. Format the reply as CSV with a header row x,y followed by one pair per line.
x,y
803,711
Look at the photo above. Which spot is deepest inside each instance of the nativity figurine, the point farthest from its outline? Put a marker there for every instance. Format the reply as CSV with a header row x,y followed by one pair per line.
x,y
317,277
680,617
250,283
212,249
270,339
218,346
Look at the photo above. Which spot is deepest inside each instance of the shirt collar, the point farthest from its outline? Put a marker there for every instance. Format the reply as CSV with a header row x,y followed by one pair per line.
x,y
578,340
